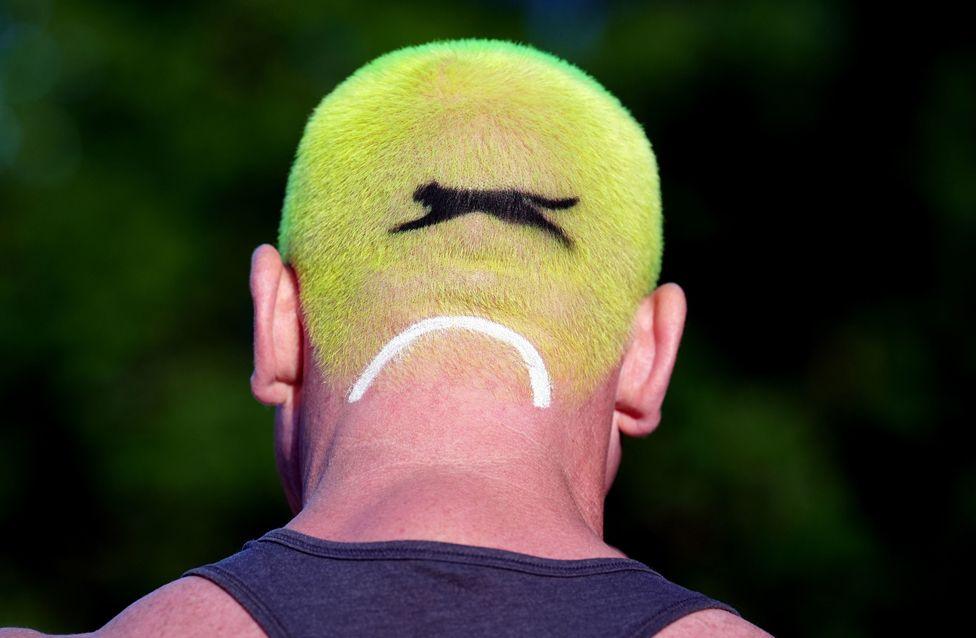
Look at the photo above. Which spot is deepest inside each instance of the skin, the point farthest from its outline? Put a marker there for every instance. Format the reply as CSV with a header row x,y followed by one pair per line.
x,y
473,469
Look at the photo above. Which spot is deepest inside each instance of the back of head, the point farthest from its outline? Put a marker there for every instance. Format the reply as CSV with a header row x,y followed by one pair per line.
x,y
472,178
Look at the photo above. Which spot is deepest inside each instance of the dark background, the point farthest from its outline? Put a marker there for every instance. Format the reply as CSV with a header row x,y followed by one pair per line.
x,y
814,467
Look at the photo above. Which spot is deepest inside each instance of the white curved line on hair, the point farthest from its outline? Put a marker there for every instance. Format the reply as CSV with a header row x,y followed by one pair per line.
x,y
538,375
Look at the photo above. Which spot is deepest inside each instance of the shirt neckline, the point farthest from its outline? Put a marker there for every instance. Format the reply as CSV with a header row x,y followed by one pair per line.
x,y
410,549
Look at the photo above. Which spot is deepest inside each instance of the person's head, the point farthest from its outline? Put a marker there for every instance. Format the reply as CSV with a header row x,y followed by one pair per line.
x,y
471,181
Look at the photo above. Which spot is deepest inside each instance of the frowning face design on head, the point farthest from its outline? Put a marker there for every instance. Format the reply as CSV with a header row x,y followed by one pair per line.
x,y
473,179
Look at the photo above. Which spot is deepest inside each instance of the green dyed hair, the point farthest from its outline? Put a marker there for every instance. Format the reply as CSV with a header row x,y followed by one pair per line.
x,y
472,114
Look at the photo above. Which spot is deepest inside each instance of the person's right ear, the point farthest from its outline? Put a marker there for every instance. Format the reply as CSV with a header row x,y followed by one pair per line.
x,y
646,369
277,328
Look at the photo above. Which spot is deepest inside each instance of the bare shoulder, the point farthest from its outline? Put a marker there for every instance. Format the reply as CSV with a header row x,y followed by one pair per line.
x,y
186,607
711,622
190,606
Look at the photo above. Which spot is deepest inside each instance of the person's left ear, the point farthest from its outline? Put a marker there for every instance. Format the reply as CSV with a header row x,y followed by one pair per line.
x,y
277,328
647,364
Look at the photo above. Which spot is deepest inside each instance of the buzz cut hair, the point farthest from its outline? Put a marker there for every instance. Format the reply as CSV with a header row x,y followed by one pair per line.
x,y
479,178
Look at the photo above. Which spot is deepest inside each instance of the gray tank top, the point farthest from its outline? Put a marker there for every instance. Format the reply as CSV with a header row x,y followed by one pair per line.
x,y
299,586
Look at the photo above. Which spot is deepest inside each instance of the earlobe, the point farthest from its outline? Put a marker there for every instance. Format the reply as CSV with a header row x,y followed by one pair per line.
x,y
277,328
649,360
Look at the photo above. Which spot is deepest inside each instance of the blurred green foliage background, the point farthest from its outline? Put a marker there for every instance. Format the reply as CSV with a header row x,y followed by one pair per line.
x,y
814,467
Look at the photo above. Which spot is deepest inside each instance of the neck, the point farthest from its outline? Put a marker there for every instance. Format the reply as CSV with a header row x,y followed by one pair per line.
x,y
474,469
